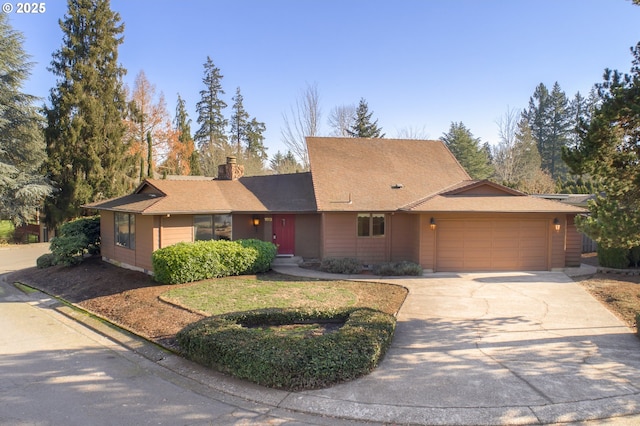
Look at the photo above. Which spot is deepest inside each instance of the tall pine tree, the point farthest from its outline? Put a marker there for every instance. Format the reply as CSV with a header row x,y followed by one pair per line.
x,y
550,119
211,137
247,137
88,160
468,151
609,150
22,149
362,126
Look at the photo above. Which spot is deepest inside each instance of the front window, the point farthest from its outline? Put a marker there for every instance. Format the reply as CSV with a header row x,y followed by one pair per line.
x,y
212,227
370,225
125,230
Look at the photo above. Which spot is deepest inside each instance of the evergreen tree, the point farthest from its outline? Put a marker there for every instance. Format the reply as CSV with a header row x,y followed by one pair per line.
x,y
608,151
550,119
362,126
247,137
284,163
239,123
468,151
87,157
211,137
22,149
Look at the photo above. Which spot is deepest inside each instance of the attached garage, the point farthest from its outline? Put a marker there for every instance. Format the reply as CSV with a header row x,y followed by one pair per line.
x,y
492,245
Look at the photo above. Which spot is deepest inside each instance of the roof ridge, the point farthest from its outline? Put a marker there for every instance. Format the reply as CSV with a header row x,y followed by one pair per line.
x,y
414,204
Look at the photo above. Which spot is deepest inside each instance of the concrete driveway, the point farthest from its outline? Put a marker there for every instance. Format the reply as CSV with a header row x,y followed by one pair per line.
x,y
495,348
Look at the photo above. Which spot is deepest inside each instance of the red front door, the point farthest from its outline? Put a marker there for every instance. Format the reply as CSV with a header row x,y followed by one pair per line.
x,y
284,226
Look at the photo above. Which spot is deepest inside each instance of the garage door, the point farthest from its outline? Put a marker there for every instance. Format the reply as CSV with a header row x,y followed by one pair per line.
x,y
492,245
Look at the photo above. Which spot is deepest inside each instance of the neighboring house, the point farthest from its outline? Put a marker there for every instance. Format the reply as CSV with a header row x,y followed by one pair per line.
x,y
373,199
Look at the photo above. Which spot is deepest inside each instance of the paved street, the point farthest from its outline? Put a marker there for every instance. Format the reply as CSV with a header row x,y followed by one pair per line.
x,y
56,371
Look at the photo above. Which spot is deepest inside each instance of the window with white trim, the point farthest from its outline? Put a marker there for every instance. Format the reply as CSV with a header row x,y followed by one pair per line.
x,y
370,224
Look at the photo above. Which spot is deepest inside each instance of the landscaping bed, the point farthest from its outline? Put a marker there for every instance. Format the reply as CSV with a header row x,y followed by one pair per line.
x,y
133,300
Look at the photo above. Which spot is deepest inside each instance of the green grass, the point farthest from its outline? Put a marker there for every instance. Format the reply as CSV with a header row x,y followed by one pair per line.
x,y
6,230
245,293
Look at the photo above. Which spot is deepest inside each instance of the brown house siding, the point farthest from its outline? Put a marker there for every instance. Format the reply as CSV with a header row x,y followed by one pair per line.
x,y
405,240
175,229
107,234
308,235
427,246
144,242
574,243
341,240
339,235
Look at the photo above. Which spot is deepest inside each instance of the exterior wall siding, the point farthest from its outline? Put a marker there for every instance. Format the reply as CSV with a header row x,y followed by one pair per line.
x,y
573,248
144,241
405,238
175,229
107,234
427,254
339,235
308,235
341,240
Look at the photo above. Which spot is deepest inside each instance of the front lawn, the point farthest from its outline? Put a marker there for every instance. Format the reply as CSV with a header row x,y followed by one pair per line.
x,y
285,333
245,293
6,231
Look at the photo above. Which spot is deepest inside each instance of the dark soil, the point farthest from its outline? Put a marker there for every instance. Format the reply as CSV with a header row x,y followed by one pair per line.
x,y
127,298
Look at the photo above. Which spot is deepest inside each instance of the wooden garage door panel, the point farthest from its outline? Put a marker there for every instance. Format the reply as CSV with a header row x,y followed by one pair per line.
x,y
500,245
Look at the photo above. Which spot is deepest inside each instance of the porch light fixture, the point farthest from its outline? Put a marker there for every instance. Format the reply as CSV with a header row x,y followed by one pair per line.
x,y
432,224
556,224
256,222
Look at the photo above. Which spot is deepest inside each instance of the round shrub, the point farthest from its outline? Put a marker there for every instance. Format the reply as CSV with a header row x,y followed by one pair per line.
x,y
265,252
46,260
232,343
341,265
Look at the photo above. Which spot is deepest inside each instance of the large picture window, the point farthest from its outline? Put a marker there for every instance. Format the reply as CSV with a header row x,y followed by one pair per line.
x,y
212,227
370,225
125,230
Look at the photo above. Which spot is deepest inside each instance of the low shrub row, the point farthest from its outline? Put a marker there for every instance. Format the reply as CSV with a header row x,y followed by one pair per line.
x,y
232,343
187,262
619,258
348,265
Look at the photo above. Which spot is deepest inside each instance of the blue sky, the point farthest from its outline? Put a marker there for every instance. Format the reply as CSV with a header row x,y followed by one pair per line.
x,y
419,64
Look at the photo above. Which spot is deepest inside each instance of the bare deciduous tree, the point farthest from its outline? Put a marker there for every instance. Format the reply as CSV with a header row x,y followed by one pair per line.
x,y
341,119
303,121
504,155
413,133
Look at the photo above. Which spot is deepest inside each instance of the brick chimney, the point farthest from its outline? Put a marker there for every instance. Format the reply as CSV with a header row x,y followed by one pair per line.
x,y
230,170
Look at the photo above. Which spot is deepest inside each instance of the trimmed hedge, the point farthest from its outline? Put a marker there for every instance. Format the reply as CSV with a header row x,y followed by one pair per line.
x,y
229,344
619,258
187,262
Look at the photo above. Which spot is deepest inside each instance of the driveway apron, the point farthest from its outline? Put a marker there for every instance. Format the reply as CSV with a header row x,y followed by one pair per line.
x,y
495,348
